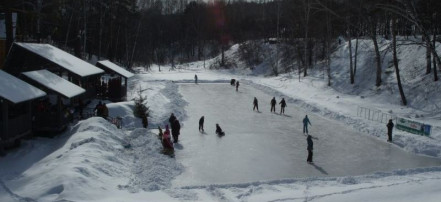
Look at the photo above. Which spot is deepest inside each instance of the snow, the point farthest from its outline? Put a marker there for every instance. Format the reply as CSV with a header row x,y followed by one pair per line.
x,y
261,157
116,68
55,83
16,90
62,58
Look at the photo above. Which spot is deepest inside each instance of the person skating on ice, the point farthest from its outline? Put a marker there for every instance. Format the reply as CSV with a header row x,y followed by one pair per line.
x,y
389,126
201,124
273,105
305,124
255,104
282,106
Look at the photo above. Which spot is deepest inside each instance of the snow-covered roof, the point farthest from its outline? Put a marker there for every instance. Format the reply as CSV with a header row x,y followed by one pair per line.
x,y
16,90
119,70
62,58
55,83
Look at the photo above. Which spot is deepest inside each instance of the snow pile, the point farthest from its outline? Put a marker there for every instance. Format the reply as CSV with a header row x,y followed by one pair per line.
x,y
151,170
89,160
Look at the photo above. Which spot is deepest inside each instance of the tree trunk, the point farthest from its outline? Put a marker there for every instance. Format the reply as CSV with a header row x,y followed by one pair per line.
x,y
434,45
395,60
428,56
351,70
355,56
377,58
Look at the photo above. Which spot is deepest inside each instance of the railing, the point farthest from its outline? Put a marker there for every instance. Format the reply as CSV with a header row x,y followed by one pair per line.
x,y
374,115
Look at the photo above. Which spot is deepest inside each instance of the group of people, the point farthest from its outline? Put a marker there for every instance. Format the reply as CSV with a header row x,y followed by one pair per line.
x,y
174,129
101,110
218,128
273,105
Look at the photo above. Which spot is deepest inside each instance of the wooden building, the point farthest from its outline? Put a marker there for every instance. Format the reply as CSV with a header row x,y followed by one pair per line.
x,y
52,115
114,82
24,57
15,109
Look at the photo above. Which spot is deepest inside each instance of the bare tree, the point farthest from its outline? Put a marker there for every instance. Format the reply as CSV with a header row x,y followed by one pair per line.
x,y
395,60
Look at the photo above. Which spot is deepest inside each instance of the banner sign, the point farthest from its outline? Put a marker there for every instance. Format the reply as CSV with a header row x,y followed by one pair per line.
x,y
413,127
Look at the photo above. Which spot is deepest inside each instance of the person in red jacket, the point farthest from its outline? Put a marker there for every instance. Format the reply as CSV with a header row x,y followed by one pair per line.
x,y
166,141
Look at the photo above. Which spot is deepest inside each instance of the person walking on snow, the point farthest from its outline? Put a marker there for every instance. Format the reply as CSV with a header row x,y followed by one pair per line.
x,y
176,127
282,106
305,124
237,85
196,79
201,124
310,148
273,105
255,104
390,126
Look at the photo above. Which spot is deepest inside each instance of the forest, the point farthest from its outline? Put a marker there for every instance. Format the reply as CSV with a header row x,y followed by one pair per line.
x,y
144,32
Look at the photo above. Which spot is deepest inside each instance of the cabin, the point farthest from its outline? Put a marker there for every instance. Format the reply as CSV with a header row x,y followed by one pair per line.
x,y
15,111
25,57
52,114
114,82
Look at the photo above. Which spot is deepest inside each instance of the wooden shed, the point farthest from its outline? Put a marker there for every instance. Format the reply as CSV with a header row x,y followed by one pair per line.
x,y
15,109
114,83
24,57
52,116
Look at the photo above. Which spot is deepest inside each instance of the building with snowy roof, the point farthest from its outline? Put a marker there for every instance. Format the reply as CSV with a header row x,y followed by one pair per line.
x,y
114,83
52,114
25,57
15,108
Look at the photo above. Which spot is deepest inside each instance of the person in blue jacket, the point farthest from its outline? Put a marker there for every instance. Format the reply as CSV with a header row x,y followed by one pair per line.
x,y
305,124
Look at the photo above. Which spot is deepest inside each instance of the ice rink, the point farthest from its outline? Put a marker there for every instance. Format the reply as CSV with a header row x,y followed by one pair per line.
x,y
267,146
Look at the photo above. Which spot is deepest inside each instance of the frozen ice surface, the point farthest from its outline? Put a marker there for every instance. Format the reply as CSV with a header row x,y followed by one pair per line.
x,y
268,146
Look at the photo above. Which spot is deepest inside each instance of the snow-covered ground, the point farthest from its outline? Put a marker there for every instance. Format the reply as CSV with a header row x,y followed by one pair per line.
x,y
262,155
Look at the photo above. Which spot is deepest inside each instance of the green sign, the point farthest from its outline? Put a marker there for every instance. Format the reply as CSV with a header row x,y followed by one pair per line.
x,y
413,127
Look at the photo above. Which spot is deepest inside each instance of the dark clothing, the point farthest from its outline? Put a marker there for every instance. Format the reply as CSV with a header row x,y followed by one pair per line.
x,y
237,85
310,148
390,126
273,105
219,130
309,159
145,122
232,82
99,109
176,127
256,104
195,79
172,119
201,124
283,105
305,124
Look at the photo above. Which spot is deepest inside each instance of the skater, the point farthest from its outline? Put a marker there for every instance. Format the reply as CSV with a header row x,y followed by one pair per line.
x,y
219,130
305,124
273,105
175,128
237,85
256,104
196,79
201,124
166,142
390,126
282,106
309,148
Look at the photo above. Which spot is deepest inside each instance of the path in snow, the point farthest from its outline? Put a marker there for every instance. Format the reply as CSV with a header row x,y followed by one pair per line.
x,y
267,146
